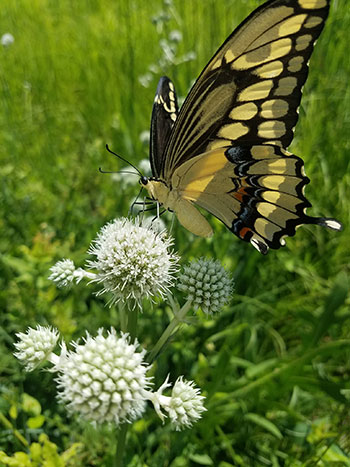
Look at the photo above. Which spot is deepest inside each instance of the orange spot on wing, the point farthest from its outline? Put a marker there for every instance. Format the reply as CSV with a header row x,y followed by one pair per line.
x,y
243,232
239,194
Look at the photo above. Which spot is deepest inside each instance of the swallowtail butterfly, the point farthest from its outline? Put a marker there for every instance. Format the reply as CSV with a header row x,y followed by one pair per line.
x,y
225,149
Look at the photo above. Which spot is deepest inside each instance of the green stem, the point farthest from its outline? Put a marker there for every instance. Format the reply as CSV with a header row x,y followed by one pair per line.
x,y
169,331
7,424
121,445
174,305
123,317
132,322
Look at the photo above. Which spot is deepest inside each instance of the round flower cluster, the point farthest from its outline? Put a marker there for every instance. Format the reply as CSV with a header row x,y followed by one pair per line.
x,y
186,404
206,283
63,272
7,39
104,379
132,261
34,347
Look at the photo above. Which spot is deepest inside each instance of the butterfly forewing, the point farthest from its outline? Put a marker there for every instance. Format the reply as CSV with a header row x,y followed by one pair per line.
x,y
164,114
250,90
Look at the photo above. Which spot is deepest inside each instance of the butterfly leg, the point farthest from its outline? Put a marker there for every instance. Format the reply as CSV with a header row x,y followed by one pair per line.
x,y
149,209
145,203
133,204
158,215
172,222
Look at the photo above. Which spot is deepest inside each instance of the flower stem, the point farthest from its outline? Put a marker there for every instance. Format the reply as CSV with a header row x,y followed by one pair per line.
x,y
121,445
132,322
169,331
123,317
7,424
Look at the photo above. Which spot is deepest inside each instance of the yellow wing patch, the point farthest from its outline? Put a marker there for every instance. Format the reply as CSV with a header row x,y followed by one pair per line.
x,y
256,91
270,70
195,175
274,108
313,4
271,129
233,131
244,111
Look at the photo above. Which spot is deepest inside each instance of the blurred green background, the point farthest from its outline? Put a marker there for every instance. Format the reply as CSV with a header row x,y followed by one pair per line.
x,y
275,364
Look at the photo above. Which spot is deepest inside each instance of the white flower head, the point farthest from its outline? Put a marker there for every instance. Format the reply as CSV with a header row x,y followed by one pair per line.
x,y
62,273
34,347
132,261
7,39
206,283
175,35
185,405
104,379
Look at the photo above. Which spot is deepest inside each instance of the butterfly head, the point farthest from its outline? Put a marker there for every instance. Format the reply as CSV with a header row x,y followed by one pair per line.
x,y
143,180
157,189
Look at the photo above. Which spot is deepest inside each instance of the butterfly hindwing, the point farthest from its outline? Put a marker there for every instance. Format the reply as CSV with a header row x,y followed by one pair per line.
x,y
250,91
164,114
256,191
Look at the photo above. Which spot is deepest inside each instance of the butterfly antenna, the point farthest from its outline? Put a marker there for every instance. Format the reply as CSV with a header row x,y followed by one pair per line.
x,y
119,172
122,158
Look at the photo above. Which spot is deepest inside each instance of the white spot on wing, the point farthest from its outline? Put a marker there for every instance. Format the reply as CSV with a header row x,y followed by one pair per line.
x,y
332,224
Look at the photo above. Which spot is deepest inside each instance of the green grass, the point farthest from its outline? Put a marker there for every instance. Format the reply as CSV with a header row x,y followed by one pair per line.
x,y
275,363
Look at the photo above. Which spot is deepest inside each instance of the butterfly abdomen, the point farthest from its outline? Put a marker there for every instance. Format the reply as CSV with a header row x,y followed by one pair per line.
x,y
190,218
